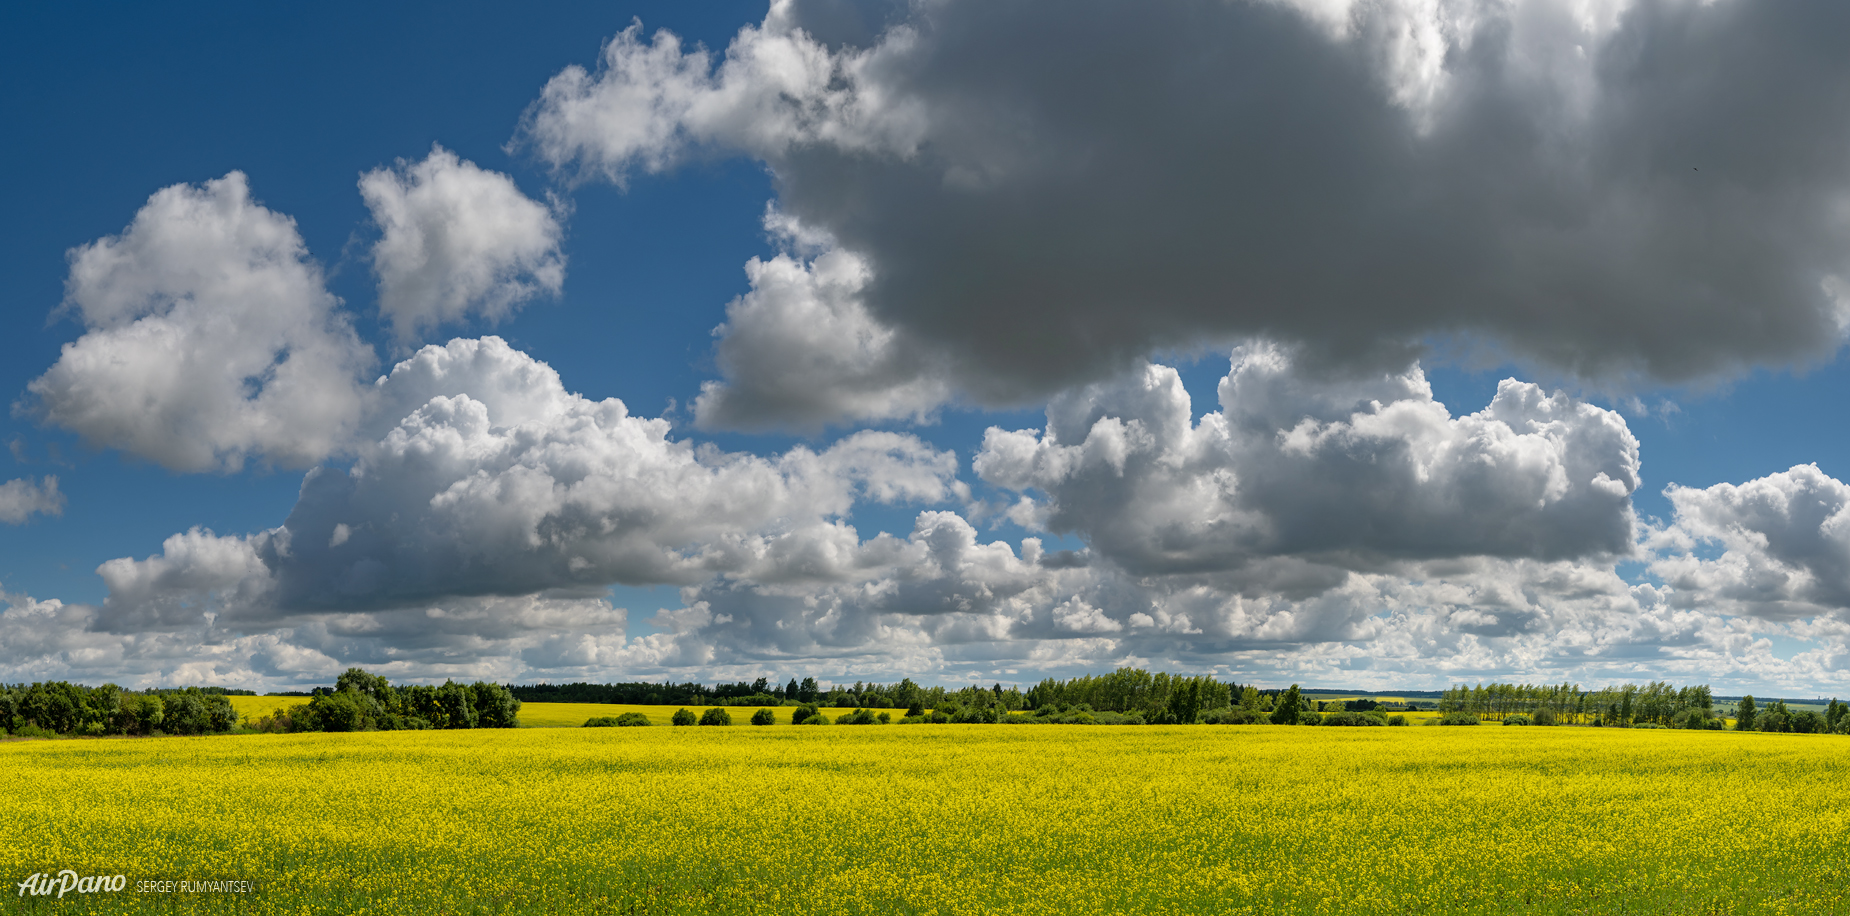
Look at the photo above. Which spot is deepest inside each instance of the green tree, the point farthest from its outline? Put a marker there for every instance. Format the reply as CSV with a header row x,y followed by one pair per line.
x,y
764,717
1288,709
458,704
683,717
715,715
221,716
149,712
495,705
339,711
1745,714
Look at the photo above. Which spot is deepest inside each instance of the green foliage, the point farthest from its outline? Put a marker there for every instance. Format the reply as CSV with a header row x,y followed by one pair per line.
x,y
858,717
1351,719
683,716
495,706
1458,718
601,722
1774,718
715,715
1232,715
633,720
803,713
1397,720
816,719
458,705
1516,719
765,717
1288,709
1745,715
1544,715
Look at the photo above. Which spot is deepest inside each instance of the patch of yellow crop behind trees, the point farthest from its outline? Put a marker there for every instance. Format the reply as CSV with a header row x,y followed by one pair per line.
x,y
549,715
946,819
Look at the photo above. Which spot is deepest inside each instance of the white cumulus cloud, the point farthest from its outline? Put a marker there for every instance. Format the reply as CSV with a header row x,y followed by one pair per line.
x,y
1348,472
21,499
457,241
209,339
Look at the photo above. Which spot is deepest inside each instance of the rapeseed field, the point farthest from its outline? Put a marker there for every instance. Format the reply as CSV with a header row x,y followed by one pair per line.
x,y
549,715
942,820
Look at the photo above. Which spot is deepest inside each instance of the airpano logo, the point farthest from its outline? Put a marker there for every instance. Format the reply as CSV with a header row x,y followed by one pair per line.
x,y
66,881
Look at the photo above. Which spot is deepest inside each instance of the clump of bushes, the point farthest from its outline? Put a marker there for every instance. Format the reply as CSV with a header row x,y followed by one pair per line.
x,y
1232,715
626,720
1516,719
1458,718
53,708
1354,719
1397,720
363,702
764,717
716,715
804,713
683,717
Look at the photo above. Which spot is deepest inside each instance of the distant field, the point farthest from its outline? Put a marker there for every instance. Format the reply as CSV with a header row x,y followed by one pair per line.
x,y
559,715
953,820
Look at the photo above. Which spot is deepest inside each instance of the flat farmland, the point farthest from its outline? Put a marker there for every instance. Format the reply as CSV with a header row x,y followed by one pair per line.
x,y
946,819
556,715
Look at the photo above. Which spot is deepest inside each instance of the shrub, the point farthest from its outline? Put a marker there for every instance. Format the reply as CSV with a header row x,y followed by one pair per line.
x,y
816,718
1352,719
862,716
633,719
1232,715
764,717
1458,718
1544,716
1397,720
601,722
803,713
1516,719
885,718
683,717
29,730
716,715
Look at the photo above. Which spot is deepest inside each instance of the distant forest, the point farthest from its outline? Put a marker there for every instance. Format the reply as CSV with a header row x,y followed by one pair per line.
x,y
1126,690
360,701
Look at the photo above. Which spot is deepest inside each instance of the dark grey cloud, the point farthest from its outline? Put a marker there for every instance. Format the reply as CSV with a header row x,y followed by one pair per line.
x,y
1045,194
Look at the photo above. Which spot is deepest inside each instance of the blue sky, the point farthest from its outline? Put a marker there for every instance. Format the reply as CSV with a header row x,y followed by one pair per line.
x,y
966,238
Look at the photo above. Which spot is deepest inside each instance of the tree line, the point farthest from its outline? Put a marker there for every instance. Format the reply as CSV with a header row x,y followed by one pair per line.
x,y
62,708
364,702
1657,704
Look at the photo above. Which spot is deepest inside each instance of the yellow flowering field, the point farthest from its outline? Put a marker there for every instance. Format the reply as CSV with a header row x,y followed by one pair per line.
x,y
946,819
552,715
